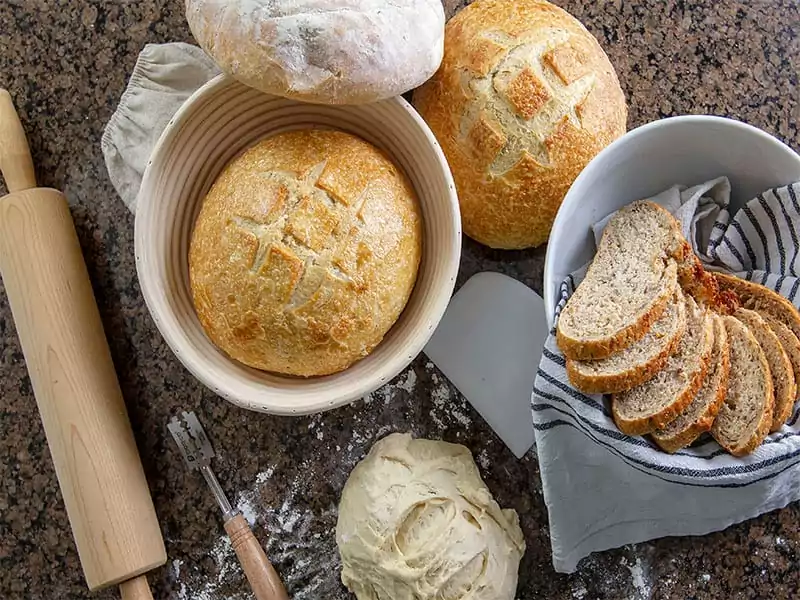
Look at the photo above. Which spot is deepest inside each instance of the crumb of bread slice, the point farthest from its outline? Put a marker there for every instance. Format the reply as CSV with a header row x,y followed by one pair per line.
x,y
658,401
783,383
638,362
628,285
698,417
745,417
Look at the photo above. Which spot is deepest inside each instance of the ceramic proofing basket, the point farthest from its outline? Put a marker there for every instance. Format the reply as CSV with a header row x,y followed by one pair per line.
x,y
219,121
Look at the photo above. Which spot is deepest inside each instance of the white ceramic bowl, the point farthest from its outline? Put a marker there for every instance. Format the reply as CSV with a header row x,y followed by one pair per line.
x,y
220,120
645,161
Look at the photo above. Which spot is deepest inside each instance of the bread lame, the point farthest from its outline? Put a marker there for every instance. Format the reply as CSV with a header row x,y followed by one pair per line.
x,y
197,451
101,478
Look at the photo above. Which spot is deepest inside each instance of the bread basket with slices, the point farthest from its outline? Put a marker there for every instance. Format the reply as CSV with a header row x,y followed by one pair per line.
x,y
679,350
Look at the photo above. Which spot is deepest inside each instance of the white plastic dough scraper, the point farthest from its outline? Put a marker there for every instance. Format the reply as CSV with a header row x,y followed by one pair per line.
x,y
488,344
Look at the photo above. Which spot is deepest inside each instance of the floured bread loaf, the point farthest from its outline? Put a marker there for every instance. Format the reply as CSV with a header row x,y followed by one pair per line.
x,y
524,99
305,252
324,51
416,522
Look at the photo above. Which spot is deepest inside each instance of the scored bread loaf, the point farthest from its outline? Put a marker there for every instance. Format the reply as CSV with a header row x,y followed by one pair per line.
x,y
745,416
788,340
783,383
305,252
761,299
638,362
656,402
699,415
524,99
628,285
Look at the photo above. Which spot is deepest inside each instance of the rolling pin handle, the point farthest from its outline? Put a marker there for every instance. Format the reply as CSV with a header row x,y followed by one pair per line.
x,y
16,163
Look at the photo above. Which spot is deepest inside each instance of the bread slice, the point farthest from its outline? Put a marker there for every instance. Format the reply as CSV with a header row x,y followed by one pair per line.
x,y
761,299
699,415
783,383
658,401
788,340
703,286
638,362
745,416
628,285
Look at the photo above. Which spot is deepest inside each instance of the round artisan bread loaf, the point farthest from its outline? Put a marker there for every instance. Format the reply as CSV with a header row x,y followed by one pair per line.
x,y
305,252
323,51
524,99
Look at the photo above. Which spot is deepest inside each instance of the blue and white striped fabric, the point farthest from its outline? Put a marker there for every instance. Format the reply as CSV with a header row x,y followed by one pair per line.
x,y
604,489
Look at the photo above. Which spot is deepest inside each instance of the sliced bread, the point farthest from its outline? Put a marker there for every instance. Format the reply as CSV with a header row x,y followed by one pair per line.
x,y
783,383
628,285
658,401
638,362
788,340
699,415
761,299
704,287
745,416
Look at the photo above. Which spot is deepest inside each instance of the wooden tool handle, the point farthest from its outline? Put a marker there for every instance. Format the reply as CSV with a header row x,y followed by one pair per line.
x,y
135,589
15,156
260,573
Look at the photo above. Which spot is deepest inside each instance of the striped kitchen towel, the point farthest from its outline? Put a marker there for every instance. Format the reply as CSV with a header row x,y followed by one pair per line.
x,y
605,489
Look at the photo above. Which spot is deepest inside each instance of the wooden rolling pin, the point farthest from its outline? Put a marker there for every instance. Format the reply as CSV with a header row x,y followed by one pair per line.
x,y
76,388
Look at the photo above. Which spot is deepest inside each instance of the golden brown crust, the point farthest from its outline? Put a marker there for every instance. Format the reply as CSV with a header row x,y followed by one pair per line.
x,y
524,99
649,424
761,299
704,422
305,252
604,384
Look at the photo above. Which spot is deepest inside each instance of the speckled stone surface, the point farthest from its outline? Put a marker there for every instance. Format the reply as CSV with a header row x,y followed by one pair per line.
x,y
66,63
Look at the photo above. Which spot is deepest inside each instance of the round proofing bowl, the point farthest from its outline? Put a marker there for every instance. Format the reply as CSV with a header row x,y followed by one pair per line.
x,y
219,121
645,161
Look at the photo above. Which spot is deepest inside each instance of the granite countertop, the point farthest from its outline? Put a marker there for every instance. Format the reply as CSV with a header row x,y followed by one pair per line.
x,y
66,63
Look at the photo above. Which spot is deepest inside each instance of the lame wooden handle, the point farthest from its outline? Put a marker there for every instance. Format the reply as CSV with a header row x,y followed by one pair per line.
x,y
136,589
260,573
15,156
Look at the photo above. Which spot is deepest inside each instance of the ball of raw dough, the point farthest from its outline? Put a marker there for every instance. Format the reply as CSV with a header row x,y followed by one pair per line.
x,y
323,51
416,522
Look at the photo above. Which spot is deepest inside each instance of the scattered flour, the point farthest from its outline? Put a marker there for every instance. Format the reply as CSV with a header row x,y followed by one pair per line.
x,y
408,382
447,409
483,459
580,591
301,544
640,575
